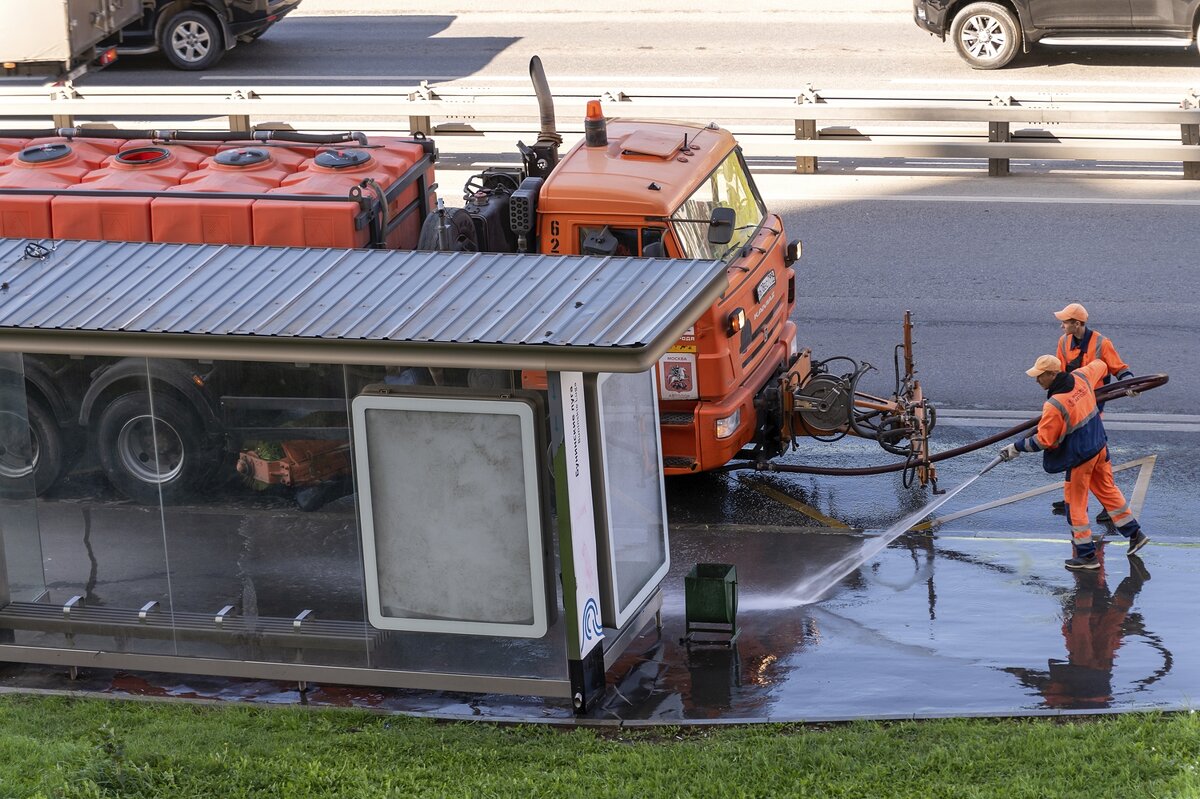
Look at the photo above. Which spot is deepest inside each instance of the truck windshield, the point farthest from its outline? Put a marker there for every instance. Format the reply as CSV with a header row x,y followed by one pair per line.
x,y
730,186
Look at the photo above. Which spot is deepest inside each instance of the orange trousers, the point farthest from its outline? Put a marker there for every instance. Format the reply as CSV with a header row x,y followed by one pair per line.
x,y
1094,476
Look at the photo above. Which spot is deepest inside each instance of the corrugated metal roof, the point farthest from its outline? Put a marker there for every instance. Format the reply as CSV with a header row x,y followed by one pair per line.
x,y
173,294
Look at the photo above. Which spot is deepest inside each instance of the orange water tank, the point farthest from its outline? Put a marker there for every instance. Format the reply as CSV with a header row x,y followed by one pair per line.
x,y
46,165
10,146
245,171
149,168
333,173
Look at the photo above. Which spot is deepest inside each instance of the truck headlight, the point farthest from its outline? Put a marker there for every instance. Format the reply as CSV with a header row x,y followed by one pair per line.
x,y
729,425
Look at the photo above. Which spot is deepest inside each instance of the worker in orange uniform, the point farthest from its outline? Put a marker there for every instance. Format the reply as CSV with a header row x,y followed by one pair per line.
x,y
1071,438
1078,346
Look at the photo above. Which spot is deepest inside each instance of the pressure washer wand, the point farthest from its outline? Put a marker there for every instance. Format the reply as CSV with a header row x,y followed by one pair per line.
x,y
814,588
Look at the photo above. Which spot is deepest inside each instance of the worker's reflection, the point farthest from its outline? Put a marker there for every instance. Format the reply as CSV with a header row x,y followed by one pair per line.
x,y
1095,621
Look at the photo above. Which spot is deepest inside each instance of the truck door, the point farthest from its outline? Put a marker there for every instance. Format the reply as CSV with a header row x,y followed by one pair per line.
x,y
1080,14
1175,14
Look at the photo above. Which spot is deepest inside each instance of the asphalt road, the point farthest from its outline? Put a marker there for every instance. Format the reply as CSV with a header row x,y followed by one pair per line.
x,y
870,44
982,263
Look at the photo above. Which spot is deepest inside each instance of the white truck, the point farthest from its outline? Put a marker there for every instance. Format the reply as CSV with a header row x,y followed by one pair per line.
x,y
60,37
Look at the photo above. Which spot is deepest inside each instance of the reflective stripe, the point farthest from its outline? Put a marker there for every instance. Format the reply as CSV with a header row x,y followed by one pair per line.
x,y
1066,419
1080,528
1098,339
1083,421
1121,511
1085,535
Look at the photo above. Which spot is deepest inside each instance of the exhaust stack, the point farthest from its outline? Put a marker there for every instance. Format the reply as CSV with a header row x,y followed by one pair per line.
x,y
545,149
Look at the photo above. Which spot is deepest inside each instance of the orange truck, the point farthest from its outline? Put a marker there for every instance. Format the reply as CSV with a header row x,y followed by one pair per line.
x,y
736,385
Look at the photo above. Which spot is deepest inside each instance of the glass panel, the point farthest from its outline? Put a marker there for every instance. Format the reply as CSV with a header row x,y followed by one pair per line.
x,y
729,186
103,558
21,576
214,515
252,461
634,501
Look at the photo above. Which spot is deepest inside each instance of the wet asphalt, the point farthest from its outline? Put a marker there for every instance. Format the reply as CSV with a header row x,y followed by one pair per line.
x,y
974,615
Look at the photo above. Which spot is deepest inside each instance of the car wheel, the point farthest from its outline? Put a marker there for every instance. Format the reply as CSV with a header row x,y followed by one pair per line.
x,y
31,450
986,35
154,451
192,40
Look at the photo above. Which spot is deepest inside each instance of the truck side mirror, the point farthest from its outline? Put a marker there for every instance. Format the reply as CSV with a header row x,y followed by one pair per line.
x,y
720,227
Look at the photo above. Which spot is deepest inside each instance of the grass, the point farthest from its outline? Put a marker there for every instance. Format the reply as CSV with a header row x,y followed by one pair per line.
x,y
57,747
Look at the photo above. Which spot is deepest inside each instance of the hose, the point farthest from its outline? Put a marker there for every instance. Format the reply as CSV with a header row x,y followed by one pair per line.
x,y
1103,394
192,135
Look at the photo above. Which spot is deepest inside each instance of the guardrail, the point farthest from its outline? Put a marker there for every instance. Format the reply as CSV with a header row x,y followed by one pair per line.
x,y
808,125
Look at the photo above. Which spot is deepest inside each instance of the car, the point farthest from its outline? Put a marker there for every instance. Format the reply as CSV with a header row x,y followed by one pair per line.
x,y
988,35
194,34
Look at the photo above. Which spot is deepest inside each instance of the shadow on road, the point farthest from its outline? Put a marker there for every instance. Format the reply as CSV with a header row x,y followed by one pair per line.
x,y
359,50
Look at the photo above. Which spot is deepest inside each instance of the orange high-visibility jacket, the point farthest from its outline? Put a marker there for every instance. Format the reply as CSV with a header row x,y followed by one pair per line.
x,y
1094,347
1070,432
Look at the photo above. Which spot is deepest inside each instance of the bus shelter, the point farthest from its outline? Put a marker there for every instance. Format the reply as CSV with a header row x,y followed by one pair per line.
x,y
479,431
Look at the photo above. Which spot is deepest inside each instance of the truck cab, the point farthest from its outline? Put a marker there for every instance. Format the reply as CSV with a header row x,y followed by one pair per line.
x,y
650,190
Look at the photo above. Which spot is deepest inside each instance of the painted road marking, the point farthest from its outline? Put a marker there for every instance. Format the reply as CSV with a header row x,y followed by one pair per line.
x,y
482,80
818,197
1145,468
1163,422
793,503
1141,85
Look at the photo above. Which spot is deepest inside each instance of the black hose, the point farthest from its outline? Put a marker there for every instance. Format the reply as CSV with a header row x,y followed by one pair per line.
x,y
192,135
1103,394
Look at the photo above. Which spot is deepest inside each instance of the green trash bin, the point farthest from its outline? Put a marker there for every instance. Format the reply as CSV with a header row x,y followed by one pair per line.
x,y
710,603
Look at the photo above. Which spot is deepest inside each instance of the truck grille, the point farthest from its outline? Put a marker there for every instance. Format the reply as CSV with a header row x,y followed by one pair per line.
x,y
676,418
676,462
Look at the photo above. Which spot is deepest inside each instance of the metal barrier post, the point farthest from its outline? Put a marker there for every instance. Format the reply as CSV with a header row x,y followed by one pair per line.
x,y
999,131
1190,134
806,129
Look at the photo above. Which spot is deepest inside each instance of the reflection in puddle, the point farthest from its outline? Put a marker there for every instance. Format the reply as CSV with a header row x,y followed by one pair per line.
x,y
1096,623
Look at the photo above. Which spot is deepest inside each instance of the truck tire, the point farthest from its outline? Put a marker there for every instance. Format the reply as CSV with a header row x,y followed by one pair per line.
x,y
156,453
192,40
29,464
986,35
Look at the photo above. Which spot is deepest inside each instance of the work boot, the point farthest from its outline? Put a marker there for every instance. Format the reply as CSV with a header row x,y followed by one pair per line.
x,y
1058,508
1137,541
1078,564
1103,518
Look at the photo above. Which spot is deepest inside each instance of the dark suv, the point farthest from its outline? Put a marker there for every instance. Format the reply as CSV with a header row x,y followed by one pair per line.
x,y
990,34
194,34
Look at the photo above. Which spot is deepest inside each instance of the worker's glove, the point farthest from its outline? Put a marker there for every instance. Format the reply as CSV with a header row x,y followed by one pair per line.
x,y
1009,452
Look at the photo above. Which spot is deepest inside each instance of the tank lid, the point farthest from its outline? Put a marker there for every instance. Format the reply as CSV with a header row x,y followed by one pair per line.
x,y
44,153
242,156
139,156
341,159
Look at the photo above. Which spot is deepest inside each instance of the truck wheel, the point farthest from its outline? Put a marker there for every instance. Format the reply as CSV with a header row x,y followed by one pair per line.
x,y
146,451
192,40
31,450
987,35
